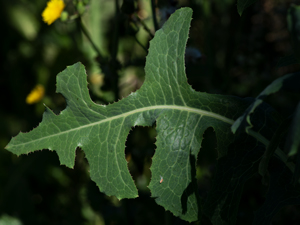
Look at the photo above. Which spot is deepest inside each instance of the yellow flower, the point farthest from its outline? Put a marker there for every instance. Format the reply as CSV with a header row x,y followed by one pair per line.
x,y
52,11
36,94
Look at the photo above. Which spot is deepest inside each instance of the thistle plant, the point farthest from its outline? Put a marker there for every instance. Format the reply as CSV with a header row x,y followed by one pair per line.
x,y
252,137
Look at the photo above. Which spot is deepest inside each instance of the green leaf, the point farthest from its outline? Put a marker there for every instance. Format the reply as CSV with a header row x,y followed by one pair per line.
x,y
243,4
280,193
232,172
289,82
8,220
181,114
293,140
273,145
236,167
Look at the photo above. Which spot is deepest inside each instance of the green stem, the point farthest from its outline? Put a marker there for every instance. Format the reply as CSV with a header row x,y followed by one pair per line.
x,y
154,15
278,151
272,146
88,36
140,44
115,40
114,64
144,26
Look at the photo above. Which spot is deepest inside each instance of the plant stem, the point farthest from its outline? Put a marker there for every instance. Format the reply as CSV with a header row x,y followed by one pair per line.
x,y
272,146
144,26
140,44
88,36
278,151
114,64
115,40
154,15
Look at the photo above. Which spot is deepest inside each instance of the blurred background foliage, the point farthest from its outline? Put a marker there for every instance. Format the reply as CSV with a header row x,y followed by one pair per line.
x,y
226,54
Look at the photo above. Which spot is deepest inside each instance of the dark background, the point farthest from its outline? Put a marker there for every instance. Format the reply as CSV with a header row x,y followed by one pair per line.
x,y
231,55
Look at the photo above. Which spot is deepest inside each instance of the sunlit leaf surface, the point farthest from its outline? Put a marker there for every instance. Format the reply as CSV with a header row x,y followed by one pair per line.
x,y
181,115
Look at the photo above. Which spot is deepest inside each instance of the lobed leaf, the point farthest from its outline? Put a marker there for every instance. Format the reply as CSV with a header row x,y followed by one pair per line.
x,y
181,114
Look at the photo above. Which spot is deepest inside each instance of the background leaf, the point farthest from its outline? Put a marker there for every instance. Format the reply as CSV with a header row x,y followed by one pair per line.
x,y
281,193
232,172
273,145
293,142
237,167
288,82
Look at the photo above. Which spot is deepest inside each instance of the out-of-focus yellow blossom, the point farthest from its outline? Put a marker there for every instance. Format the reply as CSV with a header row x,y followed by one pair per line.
x,y
53,11
96,79
36,94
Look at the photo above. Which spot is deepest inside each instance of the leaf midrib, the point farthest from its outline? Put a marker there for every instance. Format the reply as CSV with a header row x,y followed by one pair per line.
x,y
201,112
144,109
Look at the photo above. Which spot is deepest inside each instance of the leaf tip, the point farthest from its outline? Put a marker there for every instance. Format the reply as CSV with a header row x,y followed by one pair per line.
x,y
240,12
236,125
10,145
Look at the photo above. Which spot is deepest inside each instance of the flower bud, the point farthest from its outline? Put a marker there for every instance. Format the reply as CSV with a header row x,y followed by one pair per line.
x,y
64,16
